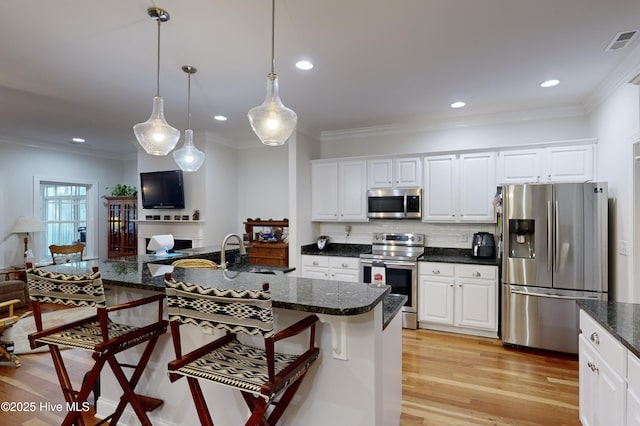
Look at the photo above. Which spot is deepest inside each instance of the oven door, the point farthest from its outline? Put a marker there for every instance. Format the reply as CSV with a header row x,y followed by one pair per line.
x,y
402,276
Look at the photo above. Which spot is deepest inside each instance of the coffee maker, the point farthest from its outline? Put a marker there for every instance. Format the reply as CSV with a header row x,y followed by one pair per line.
x,y
483,245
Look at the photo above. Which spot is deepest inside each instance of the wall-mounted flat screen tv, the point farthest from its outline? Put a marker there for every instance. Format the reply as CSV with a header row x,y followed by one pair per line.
x,y
162,190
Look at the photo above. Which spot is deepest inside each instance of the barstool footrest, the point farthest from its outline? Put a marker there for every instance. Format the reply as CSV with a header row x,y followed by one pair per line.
x,y
149,403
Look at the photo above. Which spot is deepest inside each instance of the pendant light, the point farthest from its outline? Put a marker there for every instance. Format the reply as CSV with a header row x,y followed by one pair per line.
x,y
189,158
272,121
155,135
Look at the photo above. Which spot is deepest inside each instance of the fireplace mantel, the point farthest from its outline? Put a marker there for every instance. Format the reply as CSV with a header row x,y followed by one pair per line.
x,y
192,230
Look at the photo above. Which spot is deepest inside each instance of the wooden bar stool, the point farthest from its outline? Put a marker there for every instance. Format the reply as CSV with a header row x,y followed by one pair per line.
x,y
264,377
97,334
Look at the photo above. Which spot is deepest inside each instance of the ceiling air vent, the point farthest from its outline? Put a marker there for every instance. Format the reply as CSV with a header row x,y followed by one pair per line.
x,y
621,40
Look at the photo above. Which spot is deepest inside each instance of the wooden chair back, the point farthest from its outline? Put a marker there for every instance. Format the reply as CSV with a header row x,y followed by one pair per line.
x,y
61,253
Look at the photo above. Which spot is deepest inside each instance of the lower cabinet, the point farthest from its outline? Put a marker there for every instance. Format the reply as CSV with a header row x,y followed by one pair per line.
x,y
460,298
335,268
603,377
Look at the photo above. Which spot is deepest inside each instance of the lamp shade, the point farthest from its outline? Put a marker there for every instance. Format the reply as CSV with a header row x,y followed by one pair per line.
x,y
189,158
272,121
155,135
26,224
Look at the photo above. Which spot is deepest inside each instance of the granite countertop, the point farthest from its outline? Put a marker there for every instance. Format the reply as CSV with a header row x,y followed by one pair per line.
x,y
337,249
391,305
622,320
288,292
455,255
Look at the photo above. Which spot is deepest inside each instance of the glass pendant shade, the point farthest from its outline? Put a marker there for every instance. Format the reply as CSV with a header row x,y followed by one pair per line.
x,y
155,135
272,121
189,158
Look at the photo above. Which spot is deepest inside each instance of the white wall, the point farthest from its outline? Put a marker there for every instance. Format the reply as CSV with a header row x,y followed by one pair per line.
x,y
302,149
263,187
212,190
18,166
616,124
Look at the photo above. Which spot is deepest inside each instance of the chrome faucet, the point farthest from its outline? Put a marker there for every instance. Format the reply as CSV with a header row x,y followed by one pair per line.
x,y
223,263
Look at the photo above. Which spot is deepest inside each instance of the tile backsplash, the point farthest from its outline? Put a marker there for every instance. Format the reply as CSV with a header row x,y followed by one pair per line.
x,y
453,235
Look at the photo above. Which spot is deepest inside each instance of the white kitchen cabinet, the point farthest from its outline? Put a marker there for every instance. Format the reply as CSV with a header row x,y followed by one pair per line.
x,y
338,191
334,268
458,297
395,173
547,165
344,269
602,371
459,188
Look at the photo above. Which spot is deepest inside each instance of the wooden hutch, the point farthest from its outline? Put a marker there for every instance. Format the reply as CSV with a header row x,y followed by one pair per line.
x,y
122,227
273,252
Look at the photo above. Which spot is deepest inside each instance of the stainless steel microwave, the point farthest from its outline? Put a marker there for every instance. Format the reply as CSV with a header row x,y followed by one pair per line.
x,y
394,203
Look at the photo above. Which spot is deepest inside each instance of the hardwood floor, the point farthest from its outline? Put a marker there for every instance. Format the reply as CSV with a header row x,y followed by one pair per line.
x,y
455,380
447,380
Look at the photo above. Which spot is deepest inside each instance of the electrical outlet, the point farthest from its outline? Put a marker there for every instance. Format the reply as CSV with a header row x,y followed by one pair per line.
x,y
622,248
347,228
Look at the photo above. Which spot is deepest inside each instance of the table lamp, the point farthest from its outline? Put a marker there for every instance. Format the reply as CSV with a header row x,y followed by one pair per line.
x,y
24,225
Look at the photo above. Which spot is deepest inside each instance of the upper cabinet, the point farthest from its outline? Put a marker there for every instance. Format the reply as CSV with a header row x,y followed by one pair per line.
x,y
395,172
459,188
547,165
338,190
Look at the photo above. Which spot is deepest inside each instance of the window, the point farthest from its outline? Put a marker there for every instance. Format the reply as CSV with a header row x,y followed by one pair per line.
x,y
64,212
69,211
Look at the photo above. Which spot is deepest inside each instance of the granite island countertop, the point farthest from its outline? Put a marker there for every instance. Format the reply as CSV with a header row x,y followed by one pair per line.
x,y
288,292
620,319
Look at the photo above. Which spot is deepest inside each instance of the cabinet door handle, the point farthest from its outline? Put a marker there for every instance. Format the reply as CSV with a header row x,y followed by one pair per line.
x,y
315,263
593,367
476,274
436,271
595,338
344,265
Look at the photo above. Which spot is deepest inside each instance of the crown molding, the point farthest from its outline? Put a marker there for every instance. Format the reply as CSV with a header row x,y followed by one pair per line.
x,y
468,121
75,149
624,73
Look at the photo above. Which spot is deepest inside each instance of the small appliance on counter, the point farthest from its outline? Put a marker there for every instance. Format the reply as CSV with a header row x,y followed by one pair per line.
x,y
323,242
483,245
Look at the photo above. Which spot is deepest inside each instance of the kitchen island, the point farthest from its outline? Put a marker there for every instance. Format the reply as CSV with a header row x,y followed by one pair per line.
x,y
356,381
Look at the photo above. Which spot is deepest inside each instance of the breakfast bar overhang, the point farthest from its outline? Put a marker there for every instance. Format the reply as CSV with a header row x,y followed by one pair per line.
x,y
356,381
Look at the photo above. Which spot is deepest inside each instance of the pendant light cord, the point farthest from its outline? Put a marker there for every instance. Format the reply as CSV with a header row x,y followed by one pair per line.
x,y
158,67
273,37
189,102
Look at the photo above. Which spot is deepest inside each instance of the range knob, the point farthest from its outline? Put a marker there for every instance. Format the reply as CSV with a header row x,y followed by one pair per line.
x,y
412,238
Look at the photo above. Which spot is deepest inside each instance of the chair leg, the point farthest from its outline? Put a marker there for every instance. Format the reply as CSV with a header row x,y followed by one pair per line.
x,y
257,414
252,403
74,417
198,400
128,386
284,400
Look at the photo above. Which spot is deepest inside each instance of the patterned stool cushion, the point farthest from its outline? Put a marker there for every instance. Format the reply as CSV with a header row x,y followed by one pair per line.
x,y
86,336
237,365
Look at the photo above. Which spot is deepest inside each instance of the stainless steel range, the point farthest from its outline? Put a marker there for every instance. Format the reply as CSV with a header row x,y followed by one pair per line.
x,y
399,253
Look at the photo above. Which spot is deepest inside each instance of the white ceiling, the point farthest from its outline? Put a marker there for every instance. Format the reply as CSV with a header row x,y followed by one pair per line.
x,y
87,68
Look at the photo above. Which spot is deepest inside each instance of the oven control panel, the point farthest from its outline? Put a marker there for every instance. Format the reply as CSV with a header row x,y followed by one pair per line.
x,y
398,239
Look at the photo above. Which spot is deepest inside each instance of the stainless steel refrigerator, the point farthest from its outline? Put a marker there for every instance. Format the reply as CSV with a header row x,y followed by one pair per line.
x,y
554,252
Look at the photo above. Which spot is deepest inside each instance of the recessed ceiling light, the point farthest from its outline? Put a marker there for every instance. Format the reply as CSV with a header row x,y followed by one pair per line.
x,y
304,65
77,140
549,83
458,104
220,118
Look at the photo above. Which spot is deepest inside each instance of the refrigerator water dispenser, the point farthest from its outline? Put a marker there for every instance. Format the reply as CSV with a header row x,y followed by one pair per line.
x,y
522,238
